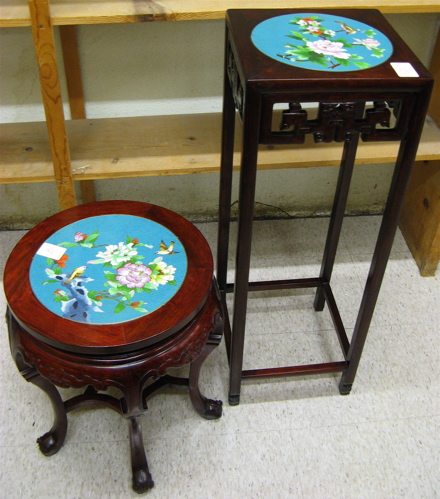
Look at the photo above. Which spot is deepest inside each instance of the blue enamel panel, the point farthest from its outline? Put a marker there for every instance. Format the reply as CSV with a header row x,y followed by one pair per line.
x,y
322,42
115,268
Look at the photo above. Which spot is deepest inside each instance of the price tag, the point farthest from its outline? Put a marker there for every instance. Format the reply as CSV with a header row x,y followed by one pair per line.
x,y
404,69
51,251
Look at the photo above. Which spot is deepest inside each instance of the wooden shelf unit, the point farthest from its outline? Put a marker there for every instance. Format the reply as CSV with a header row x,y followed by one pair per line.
x,y
66,151
166,145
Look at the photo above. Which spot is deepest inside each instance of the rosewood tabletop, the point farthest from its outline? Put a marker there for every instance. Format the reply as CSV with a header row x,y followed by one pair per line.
x,y
116,264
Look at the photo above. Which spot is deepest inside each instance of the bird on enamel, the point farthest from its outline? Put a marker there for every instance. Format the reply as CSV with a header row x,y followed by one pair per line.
x,y
166,250
76,273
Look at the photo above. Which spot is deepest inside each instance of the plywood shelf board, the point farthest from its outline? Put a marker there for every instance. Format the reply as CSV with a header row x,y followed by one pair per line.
x,y
166,145
14,13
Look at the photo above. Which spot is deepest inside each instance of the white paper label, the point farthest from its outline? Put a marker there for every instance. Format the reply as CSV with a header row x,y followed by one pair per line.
x,y
51,251
404,69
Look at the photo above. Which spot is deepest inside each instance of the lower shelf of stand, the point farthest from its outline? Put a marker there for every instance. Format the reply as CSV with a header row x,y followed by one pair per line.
x,y
166,145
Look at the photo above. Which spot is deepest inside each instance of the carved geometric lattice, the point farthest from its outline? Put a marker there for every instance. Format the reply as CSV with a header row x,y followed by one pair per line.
x,y
338,122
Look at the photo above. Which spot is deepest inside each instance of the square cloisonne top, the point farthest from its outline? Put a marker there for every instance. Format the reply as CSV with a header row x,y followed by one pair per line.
x,y
273,47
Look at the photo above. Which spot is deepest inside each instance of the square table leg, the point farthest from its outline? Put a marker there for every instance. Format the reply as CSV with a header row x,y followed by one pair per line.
x,y
399,183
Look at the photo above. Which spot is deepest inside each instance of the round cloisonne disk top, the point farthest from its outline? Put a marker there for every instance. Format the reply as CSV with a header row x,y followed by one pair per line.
x,y
108,269
322,42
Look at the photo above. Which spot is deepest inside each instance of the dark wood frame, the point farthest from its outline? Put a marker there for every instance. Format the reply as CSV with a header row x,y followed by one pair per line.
x,y
134,356
252,80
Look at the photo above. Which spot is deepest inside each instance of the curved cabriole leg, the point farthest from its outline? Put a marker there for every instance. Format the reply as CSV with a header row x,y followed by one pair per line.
x,y
133,408
142,480
207,408
51,442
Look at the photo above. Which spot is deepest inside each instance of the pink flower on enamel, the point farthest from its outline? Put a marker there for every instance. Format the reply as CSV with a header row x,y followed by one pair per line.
x,y
133,275
369,43
325,47
79,236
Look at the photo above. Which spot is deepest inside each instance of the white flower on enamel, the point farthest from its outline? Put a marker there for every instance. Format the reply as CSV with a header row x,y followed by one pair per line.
x,y
163,273
117,254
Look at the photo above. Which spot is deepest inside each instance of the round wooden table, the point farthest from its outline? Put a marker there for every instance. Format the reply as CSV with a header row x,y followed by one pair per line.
x,y
112,293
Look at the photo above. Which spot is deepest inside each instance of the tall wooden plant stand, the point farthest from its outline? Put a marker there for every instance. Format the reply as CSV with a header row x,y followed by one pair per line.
x,y
369,86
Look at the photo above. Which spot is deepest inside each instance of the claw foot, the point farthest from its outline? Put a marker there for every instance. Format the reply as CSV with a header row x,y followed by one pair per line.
x,y
48,444
142,481
213,409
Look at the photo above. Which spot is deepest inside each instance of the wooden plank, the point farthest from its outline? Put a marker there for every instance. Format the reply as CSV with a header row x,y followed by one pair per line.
x,y
434,105
165,145
420,219
53,106
65,12
72,69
